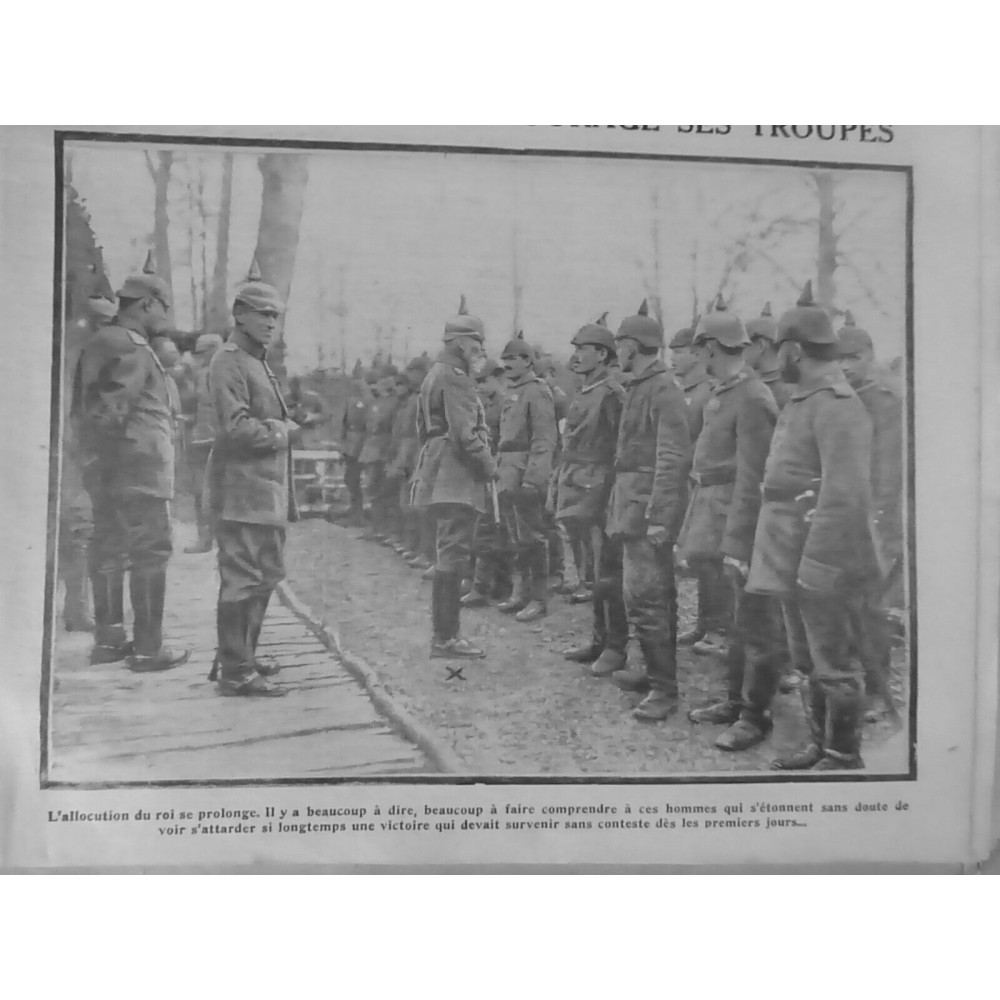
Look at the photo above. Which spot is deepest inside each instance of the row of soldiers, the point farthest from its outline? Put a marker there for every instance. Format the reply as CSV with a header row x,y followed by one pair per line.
x,y
768,463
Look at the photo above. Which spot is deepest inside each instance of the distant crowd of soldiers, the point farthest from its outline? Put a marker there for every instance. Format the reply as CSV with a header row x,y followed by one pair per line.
x,y
767,463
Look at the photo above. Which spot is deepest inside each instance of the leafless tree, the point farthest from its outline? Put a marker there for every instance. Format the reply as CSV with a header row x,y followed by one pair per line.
x,y
159,171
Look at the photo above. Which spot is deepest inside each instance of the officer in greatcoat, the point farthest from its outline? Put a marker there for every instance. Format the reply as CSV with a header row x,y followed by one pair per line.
x,y
124,414
454,472
528,439
250,486
652,462
763,355
581,490
721,521
883,399
814,547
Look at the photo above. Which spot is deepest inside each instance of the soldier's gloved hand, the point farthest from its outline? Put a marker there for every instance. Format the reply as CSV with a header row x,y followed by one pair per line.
x,y
735,568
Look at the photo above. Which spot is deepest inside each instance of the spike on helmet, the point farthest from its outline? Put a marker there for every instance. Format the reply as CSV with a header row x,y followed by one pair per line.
x,y
255,294
807,323
464,325
764,327
147,284
644,329
254,273
603,321
849,318
150,266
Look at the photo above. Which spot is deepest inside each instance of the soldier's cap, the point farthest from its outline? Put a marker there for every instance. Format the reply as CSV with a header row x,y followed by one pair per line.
x,y
764,326
146,285
642,328
464,325
596,334
519,348
97,305
723,326
853,339
258,296
206,342
807,323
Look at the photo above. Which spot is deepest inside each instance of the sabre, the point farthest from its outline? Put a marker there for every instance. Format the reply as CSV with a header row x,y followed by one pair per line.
x,y
496,504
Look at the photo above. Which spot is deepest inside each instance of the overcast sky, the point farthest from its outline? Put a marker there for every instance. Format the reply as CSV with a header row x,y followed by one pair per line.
x,y
390,240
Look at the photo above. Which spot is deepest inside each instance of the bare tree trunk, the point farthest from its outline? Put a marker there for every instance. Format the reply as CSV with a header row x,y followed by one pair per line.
x,y
160,172
218,310
518,284
826,288
283,198
190,248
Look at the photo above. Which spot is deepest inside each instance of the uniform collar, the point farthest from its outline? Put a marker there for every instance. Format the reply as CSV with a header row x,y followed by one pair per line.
x,y
656,368
745,375
590,386
697,376
528,377
248,344
832,380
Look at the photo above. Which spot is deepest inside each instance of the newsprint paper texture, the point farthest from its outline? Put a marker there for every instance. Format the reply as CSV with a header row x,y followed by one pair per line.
x,y
810,524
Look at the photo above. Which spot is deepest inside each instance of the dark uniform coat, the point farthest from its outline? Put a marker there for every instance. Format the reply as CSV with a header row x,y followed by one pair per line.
x,y
582,484
653,457
352,437
728,468
815,527
493,406
697,386
250,467
455,462
124,413
405,445
206,422
528,437
780,389
378,430
882,398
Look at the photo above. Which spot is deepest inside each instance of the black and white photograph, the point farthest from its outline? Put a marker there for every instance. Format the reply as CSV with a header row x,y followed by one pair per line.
x,y
403,463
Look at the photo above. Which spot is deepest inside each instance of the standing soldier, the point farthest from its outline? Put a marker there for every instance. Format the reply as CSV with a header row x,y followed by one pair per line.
x,y
721,521
376,453
123,405
582,487
453,471
883,400
763,355
527,444
352,440
813,548
405,528
652,461
202,437
692,376
250,476
492,546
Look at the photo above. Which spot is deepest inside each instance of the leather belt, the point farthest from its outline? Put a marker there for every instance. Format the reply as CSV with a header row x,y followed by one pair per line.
x,y
721,477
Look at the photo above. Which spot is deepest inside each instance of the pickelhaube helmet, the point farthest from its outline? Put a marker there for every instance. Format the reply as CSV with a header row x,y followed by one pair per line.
x,y
642,328
255,294
685,337
723,326
519,348
807,323
852,338
146,285
764,326
596,334
464,325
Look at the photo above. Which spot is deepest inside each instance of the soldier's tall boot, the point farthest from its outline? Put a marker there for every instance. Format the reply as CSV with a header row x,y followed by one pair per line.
x,y
521,592
148,591
663,699
613,658
482,581
256,613
814,704
727,711
76,613
844,716
235,672
448,642
591,651
537,607
111,643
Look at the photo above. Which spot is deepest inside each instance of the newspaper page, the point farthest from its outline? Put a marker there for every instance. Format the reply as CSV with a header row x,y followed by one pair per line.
x,y
476,495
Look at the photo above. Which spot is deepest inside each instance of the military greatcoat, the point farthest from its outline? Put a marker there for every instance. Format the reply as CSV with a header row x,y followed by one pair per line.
x,y
780,389
815,526
528,437
728,467
697,386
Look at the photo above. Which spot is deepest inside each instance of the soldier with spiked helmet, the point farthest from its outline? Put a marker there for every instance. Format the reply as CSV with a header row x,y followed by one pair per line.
x,y
762,355
123,407
652,461
454,469
814,548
